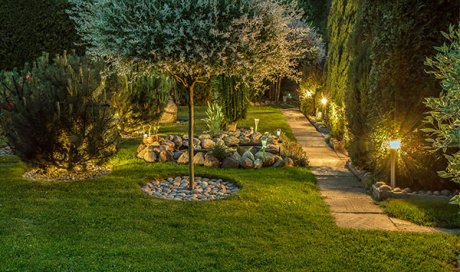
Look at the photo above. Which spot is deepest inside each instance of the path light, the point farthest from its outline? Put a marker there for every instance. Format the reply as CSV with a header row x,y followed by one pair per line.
x,y
394,146
256,124
278,132
324,101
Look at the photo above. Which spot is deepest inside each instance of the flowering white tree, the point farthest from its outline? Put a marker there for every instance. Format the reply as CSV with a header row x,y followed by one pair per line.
x,y
192,40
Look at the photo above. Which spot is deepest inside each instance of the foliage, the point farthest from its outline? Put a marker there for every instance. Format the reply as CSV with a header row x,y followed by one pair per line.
x,y
214,118
194,40
232,95
57,113
443,117
294,150
141,100
30,27
375,73
219,151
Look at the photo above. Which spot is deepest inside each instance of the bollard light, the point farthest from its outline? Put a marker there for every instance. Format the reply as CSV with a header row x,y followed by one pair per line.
x,y
278,132
394,145
324,101
256,124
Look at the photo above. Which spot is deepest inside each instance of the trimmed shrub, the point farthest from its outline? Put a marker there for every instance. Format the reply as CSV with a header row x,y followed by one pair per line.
x,y
30,27
57,114
375,71
233,97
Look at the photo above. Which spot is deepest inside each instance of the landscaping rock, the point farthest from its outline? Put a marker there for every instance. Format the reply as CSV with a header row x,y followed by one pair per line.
x,y
204,136
379,183
196,142
230,162
272,149
166,156
150,156
396,190
141,147
385,188
288,162
177,154
207,143
183,159
170,113
246,163
199,158
231,140
141,153
211,161
436,193
258,163
248,155
445,192
177,140
236,156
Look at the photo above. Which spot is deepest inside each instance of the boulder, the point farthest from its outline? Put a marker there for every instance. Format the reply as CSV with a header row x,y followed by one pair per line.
x,y
231,140
445,192
258,164
246,163
169,114
211,161
207,143
204,136
248,155
177,140
231,162
385,188
271,148
268,160
255,137
198,158
169,146
379,183
141,147
196,142
150,156
183,159
177,154
288,162
166,156
236,156
141,153
244,140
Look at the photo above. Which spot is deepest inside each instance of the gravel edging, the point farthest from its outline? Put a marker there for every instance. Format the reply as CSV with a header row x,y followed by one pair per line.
x,y
176,188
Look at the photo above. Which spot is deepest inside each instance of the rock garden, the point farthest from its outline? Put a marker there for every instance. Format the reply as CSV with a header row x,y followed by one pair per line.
x,y
243,148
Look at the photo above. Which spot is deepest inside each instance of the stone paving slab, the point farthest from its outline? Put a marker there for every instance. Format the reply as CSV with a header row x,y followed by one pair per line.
x,y
344,194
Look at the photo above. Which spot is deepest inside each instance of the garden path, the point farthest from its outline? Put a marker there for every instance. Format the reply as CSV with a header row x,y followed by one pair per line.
x,y
342,191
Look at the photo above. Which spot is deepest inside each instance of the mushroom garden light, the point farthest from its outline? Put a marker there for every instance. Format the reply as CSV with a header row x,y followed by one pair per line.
x,y
394,145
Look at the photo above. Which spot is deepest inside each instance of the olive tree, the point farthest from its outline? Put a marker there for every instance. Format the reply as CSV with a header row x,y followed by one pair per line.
x,y
443,116
193,40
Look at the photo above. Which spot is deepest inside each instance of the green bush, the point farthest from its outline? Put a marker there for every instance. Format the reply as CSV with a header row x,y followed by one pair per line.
x,y
214,118
57,114
233,97
375,73
140,101
30,27
443,118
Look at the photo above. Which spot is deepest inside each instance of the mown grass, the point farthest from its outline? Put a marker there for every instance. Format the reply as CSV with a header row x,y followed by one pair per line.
x,y
277,222
426,213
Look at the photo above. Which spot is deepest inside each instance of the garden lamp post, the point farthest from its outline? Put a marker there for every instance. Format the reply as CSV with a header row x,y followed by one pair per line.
x,y
324,103
256,124
394,146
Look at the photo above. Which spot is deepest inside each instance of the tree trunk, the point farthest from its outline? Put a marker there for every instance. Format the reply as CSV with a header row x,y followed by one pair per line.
x,y
191,126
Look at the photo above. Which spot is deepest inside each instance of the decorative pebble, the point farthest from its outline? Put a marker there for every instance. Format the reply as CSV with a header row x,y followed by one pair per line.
x,y
177,188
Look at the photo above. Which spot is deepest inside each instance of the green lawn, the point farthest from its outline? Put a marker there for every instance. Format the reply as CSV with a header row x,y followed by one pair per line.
x,y
427,213
277,222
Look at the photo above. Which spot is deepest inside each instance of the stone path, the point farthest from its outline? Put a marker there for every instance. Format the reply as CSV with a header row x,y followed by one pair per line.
x,y
345,195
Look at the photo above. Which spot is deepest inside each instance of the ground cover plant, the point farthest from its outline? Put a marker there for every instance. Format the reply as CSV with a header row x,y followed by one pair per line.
x,y
277,222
